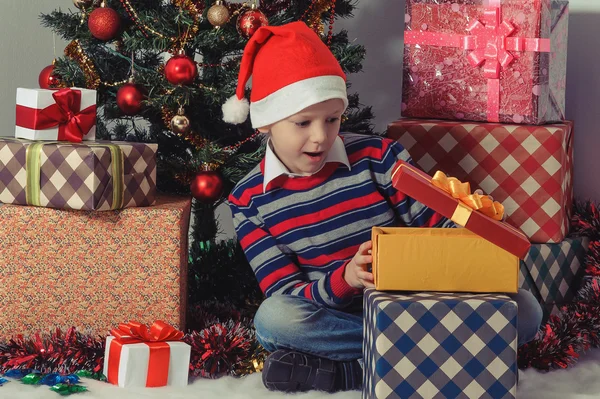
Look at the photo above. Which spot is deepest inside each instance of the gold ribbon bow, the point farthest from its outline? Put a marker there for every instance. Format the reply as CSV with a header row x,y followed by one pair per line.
x,y
473,201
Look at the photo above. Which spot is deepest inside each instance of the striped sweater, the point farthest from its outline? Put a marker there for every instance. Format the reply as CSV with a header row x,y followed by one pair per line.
x,y
301,232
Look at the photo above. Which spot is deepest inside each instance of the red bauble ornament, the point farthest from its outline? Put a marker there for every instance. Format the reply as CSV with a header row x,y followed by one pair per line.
x,y
48,79
207,186
181,69
250,21
104,23
130,97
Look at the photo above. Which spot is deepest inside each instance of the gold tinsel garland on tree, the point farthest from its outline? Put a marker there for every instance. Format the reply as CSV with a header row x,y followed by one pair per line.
x,y
313,15
75,52
178,42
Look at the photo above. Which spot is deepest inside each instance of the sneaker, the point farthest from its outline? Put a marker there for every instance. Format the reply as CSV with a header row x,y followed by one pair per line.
x,y
291,371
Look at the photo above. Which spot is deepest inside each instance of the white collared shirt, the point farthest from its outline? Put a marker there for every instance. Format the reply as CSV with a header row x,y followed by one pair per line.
x,y
275,168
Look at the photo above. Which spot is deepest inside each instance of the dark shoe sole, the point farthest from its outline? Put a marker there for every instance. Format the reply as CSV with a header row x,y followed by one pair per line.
x,y
290,371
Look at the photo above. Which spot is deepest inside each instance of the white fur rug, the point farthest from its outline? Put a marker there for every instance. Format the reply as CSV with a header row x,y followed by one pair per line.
x,y
578,382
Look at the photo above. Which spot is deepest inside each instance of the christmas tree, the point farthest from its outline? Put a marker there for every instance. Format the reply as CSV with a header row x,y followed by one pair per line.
x,y
162,70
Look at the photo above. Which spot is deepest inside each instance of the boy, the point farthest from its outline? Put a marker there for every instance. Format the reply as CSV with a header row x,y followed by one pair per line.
x,y
304,215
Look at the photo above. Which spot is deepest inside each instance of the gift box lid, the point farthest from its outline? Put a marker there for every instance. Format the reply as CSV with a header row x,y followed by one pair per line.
x,y
418,185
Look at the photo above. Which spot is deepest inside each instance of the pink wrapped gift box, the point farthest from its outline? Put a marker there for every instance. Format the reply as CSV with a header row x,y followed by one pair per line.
x,y
485,60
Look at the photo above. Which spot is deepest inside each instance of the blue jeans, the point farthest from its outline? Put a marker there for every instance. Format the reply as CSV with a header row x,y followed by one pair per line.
x,y
297,323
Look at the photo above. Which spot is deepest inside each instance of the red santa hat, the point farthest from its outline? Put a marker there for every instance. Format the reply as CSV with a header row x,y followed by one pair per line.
x,y
291,69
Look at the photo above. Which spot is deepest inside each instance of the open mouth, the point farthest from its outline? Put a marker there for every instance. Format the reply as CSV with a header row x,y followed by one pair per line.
x,y
314,154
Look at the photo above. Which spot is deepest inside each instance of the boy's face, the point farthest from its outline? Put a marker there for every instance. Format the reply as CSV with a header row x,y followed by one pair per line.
x,y
303,140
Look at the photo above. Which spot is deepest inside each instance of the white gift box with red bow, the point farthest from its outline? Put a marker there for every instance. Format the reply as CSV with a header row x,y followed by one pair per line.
x,y
56,115
136,356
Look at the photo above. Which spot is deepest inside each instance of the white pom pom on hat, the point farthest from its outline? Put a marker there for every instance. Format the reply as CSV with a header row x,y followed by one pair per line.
x,y
236,111
291,69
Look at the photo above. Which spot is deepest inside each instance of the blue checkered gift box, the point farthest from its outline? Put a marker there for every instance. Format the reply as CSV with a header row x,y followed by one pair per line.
x,y
439,345
553,272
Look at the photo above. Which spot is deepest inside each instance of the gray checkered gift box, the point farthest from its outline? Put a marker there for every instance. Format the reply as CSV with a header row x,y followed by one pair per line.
x,y
77,176
553,272
438,345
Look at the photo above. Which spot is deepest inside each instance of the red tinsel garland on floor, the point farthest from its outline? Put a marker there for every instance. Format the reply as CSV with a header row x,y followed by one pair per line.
x,y
573,331
53,353
224,343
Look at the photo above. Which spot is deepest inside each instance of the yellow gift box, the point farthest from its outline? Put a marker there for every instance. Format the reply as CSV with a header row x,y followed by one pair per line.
x,y
434,259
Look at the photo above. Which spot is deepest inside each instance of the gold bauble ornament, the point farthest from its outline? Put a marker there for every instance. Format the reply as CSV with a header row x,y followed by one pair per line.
x,y
218,14
180,123
83,4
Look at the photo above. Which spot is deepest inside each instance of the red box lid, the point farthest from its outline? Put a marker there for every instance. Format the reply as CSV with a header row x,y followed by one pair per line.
x,y
417,184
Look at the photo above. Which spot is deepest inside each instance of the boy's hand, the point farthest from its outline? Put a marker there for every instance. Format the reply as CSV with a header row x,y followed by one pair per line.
x,y
356,274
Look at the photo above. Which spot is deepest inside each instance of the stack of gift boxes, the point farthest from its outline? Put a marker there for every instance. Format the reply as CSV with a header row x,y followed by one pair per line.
x,y
483,102
86,241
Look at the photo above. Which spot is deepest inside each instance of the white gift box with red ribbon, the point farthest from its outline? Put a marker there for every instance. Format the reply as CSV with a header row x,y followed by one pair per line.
x,y
56,115
136,356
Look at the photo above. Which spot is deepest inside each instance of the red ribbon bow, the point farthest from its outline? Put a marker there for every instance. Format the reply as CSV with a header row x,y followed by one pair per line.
x,y
158,332
155,337
65,113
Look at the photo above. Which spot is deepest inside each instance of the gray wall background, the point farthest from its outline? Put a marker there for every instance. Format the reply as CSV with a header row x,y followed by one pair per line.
x,y
27,47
